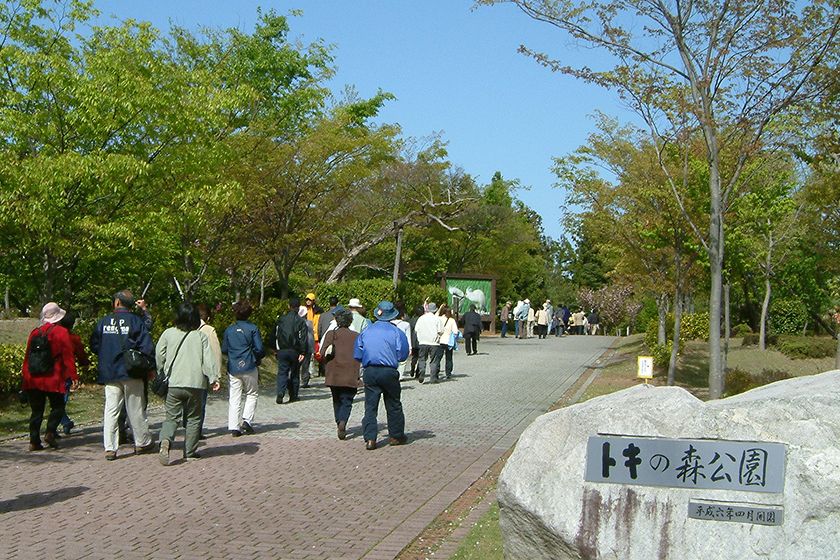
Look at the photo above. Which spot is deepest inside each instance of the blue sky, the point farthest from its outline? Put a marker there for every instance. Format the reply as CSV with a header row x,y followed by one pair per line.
x,y
454,71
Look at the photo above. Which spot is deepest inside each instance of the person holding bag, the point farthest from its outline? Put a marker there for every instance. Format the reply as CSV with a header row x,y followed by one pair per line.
x,y
185,354
342,370
448,342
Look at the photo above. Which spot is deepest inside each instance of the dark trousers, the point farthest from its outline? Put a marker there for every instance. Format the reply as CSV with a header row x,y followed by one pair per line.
x,y
304,369
415,355
426,353
542,330
441,352
37,404
342,398
65,420
385,382
504,329
183,402
471,342
517,325
288,373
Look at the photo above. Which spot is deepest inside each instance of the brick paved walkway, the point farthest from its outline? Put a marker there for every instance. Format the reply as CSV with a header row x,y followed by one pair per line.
x,y
293,490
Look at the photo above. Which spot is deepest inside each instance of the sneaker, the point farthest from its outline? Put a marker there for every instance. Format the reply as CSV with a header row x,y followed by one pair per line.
x,y
295,399
49,439
341,430
110,455
145,449
67,427
246,428
163,455
235,433
193,457
397,441
36,447
279,399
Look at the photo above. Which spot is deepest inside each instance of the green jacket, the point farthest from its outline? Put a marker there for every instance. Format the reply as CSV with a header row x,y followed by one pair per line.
x,y
194,365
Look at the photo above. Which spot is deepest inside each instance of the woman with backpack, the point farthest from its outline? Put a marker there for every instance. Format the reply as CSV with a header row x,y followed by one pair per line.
x,y
183,353
48,364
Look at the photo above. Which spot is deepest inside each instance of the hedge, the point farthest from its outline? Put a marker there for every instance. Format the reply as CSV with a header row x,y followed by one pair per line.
x,y
738,380
798,347
11,362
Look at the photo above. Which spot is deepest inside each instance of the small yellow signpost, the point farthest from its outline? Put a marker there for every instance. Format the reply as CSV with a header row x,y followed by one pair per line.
x,y
645,368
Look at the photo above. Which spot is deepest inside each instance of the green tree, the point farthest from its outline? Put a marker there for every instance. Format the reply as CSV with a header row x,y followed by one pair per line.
x,y
676,66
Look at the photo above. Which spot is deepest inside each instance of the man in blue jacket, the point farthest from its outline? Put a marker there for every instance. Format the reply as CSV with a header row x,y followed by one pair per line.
x,y
380,348
113,335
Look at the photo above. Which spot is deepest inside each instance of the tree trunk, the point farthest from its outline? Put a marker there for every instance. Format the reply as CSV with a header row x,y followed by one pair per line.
x,y
837,355
398,258
262,287
662,308
765,305
727,323
6,306
675,349
716,246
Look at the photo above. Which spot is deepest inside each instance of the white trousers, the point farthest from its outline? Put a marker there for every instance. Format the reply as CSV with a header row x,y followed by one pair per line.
x,y
249,383
130,392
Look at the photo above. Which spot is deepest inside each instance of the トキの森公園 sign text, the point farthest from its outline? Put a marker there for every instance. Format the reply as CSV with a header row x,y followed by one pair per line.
x,y
750,466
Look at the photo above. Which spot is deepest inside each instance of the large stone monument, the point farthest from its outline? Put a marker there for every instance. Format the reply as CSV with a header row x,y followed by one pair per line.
x,y
654,473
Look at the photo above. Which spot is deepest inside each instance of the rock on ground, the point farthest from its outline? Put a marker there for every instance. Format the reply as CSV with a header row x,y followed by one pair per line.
x,y
548,510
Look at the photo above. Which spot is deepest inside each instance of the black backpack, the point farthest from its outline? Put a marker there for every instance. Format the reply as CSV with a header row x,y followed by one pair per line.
x,y
40,356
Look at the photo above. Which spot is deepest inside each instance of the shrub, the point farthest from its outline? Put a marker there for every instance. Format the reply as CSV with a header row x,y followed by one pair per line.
x,y
739,381
662,354
787,316
652,331
11,362
695,326
741,329
752,339
799,347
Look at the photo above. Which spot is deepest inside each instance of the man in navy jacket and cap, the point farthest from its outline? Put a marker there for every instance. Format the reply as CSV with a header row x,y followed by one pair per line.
x,y
113,335
380,348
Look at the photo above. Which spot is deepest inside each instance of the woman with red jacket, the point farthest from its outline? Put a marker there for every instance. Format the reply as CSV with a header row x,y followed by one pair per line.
x,y
51,384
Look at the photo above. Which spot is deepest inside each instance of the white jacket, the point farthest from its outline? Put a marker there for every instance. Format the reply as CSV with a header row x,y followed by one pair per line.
x,y
449,327
428,327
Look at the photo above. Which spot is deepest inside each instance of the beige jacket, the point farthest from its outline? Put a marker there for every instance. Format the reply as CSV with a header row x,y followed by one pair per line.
x,y
194,366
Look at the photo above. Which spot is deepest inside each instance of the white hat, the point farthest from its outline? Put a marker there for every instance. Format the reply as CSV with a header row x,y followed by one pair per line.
x,y
354,302
527,301
52,313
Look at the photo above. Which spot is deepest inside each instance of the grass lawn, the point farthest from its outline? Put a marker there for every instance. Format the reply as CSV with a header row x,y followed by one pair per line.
x,y
484,541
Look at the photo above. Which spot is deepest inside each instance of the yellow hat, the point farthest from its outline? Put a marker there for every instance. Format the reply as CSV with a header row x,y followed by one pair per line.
x,y
311,296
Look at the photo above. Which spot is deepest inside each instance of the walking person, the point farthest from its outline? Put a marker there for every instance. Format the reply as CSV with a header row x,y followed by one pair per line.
x,y
517,322
342,369
288,342
82,361
360,322
242,344
428,330
215,347
472,330
48,364
113,336
594,321
184,353
405,327
541,319
445,347
532,318
305,371
504,317
380,349
415,343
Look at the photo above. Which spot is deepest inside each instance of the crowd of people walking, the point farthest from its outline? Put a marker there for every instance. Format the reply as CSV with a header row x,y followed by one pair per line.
x,y
544,320
342,343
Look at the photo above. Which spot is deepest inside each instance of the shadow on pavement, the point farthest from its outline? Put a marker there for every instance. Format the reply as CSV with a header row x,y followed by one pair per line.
x,y
244,448
41,499
419,434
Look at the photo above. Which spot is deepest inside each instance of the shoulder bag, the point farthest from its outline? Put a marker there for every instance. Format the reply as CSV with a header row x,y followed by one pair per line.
x,y
160,384
137,364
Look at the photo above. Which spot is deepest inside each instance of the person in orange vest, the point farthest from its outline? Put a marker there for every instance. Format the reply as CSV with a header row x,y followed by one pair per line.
x,y
313,313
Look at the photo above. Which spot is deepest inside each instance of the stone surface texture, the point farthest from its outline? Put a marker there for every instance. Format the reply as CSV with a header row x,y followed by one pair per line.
x,y
548,510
